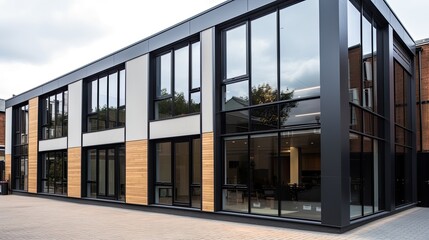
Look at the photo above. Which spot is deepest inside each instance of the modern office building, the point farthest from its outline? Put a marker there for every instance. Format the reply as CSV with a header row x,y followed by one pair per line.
x,y
283,111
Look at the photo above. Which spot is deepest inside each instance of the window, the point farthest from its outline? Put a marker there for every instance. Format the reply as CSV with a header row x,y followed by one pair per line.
x,y
263,62
20,148
366,138
178,80
54,172
178,172
270,114
275,174
104,171
54,111
106,100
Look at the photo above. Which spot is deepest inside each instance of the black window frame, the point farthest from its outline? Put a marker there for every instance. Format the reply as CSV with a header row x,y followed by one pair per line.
x,y
120,110
120,191
171,96
44,157
45,120
19,179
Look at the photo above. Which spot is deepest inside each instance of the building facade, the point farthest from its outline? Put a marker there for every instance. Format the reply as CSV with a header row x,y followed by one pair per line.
x,y
292,111
2,139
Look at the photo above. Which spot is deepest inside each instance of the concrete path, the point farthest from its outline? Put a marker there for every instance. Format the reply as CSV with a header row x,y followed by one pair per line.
x,y
23,217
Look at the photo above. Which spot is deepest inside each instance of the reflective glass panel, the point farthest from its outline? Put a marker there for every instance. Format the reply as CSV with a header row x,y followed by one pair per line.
x,y
236,95
196,65
264,59
299,50
163,75
236,161
303,112
181,81
236,52
163,162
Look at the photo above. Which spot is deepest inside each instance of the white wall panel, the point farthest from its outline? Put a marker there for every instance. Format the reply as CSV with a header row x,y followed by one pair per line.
x,y
8,132
207,83
175,127
137,75
75,115
104,137
53,144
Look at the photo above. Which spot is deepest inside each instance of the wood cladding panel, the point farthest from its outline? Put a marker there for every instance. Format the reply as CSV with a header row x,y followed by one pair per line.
x,y
8,167
208,172
32,144
74,162
136,172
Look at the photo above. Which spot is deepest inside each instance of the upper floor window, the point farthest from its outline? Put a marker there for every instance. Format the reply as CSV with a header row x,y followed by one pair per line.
x,y
54,111
178,77
106,100
263,61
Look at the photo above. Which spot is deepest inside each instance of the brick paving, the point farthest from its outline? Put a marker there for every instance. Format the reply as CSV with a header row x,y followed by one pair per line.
x,y
23,217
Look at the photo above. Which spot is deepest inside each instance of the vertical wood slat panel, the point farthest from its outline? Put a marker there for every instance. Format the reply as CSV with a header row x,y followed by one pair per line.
x,y
136,172
208,172
74,169
8,168
33,144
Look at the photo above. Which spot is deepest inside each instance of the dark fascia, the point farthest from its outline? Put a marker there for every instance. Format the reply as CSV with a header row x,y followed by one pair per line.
x,y
214,16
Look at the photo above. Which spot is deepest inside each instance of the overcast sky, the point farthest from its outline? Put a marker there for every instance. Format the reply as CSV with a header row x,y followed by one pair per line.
x,y
43,39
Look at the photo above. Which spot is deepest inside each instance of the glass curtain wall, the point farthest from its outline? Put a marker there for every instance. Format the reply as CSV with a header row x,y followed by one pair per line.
x,y
271,114
178,80
178,172
366,115
53,167
20,148
105,172
54,112
403,135
106,100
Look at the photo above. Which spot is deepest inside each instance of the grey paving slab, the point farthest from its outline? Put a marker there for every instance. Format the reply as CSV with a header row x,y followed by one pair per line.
x,y
23,217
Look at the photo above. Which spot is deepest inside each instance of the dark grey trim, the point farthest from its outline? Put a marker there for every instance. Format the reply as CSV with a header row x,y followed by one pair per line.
x,y
335,167
389,126
221,13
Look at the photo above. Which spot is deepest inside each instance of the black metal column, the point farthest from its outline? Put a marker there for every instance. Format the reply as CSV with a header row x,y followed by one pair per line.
x,y
389,126
335,166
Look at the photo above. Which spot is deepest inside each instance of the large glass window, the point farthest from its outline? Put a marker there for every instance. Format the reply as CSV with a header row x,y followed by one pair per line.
x,y
403,133
178,77
54,172
106,100
274,174
270,93
20,123
104,170
366,136
54,111
281,68
178,172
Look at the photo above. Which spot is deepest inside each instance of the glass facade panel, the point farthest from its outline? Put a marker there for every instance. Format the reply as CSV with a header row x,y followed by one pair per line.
x,y
54,114
236,95
236,161
264,174
178,172
299,50
163,82
181,81
264,59
354,44
236,52
235,122
300,113
106,106
163,162
196,65
20,120
264,118
195,103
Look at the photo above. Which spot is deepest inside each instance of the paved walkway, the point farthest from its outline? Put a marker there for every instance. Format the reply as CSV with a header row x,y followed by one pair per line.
x,y
24,217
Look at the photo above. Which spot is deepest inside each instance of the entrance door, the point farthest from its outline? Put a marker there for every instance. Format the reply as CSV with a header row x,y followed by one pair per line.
x,y
423,179
106,173
181,173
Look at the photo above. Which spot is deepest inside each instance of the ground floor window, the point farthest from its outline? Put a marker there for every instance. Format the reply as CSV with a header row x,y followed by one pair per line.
x,y
178,172
53,167
104,169
20,173
276,174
